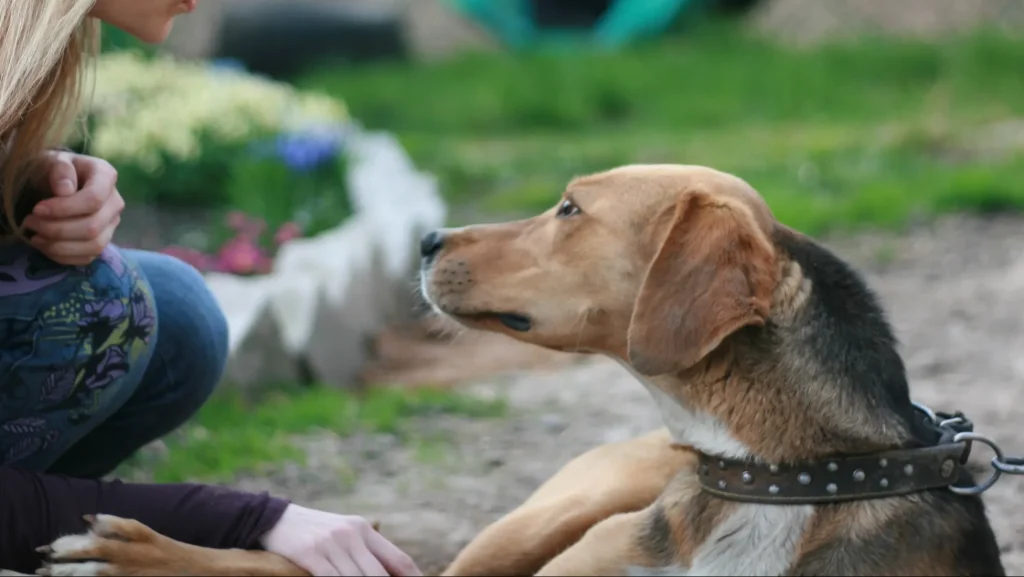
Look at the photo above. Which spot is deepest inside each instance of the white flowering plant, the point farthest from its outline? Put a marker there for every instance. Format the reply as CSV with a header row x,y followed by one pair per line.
x,y
210,134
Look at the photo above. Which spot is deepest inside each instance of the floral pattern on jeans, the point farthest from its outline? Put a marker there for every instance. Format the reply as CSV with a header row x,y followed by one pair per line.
x,y
74,342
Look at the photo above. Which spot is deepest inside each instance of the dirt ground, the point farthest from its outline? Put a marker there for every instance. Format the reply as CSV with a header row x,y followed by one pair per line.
x,y
953,290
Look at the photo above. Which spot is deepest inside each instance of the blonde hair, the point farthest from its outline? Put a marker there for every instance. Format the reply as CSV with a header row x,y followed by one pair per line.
x,y
44,46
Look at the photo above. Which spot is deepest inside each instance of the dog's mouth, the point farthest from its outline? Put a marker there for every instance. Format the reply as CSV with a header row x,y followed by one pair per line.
x,y
514,321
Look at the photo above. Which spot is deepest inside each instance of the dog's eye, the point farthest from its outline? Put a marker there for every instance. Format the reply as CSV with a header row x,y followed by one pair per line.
x,y
567,209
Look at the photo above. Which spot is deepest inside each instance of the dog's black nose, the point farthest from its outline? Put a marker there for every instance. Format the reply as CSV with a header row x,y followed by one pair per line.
x,y
431,244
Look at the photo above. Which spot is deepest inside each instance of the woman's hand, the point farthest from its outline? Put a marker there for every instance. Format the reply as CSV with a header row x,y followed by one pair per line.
x,y
75,225
329,544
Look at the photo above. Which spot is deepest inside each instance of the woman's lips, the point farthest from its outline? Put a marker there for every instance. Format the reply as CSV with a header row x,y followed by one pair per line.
x,y
190,5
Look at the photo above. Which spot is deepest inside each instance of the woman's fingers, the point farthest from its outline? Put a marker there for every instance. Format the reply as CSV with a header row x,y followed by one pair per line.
x,y
97,178
394,560
344,563
320,566
73,252
367,563
76,229
62,174
85,202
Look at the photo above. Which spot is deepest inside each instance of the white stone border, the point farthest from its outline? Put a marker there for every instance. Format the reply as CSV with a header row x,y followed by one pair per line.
x,y
327,295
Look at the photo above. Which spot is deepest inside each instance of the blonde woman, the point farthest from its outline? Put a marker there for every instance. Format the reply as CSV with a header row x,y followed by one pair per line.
x,y
104,350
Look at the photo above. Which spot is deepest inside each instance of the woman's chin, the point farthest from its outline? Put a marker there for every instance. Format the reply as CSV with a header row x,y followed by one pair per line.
x,y
154,35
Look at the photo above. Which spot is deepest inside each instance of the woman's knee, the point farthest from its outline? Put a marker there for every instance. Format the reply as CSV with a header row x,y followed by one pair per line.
x,y
192,332
76,344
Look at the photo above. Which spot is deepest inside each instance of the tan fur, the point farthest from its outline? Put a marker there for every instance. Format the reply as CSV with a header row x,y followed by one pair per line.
x,y
591,488
132,549
728,276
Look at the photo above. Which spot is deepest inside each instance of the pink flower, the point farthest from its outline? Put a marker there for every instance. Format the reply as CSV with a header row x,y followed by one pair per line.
x,y
254,228
236,220
241,255
287,232
242,224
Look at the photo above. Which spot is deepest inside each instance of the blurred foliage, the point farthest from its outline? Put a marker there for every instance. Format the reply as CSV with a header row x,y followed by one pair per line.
x,y
873,131
114,39
233,434
317,201
212,136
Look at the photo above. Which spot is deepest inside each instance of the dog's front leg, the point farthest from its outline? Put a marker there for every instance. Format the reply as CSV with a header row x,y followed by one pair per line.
x,y
614,546
113,547
606,480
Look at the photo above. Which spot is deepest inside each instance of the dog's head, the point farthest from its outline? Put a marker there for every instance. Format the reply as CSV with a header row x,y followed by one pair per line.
x,y
652,264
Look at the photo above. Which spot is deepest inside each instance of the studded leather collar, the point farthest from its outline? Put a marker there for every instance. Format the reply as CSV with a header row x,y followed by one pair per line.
x,y
843,477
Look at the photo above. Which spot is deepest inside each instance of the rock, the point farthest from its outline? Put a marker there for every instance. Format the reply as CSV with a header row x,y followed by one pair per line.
x,y
553,423
339,341
400,203
257,353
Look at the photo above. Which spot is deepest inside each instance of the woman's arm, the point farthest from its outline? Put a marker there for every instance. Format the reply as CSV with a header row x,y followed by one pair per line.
x,y
35,509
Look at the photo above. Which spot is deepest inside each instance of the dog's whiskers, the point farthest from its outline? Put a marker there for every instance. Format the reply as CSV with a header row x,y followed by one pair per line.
x,y
582,320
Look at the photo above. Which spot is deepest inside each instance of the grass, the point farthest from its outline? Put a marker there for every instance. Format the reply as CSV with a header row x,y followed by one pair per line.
x,y
232,434
869,132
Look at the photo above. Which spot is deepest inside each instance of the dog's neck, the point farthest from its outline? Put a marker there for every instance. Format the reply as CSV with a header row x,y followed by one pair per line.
x,y
799,388
691,427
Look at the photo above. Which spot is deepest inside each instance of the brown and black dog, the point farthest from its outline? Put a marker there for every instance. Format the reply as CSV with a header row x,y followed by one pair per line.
x,y
757,344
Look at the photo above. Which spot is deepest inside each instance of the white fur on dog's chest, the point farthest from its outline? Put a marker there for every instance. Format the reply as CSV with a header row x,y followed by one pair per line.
x,y
694,428
754,539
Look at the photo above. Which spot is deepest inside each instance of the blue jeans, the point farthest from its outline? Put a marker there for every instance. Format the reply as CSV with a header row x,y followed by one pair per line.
x,y
97,361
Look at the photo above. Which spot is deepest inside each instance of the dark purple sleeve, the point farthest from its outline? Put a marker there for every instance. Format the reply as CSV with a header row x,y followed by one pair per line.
x,y
35,509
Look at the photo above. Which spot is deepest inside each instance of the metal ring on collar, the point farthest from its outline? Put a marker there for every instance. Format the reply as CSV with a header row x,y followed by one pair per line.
x,y
951,422
1010,466
924,409
996,473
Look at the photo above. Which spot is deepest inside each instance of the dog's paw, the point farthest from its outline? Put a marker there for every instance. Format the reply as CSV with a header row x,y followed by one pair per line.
x,y
111,546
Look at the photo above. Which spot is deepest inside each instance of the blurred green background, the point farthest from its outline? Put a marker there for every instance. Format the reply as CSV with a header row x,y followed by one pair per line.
x,y
873,131
851,133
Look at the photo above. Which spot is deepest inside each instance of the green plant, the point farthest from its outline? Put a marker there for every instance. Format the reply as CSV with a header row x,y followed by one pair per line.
x,y
213,136
234,434
315,198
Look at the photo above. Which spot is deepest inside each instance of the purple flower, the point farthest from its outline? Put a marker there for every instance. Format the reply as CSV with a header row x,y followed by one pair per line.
x,y
18,277
24,425
106,367
23,448
107,312
143,317
58,384
306,151
227,65
29,446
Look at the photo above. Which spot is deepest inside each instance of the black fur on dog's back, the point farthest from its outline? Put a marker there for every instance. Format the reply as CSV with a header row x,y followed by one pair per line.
x,y
853,338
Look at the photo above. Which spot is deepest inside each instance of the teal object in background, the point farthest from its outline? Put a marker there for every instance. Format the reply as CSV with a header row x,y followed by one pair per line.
x,y
624,21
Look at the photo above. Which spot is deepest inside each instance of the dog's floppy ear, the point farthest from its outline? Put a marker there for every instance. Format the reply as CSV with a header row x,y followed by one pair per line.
x,y
714,274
